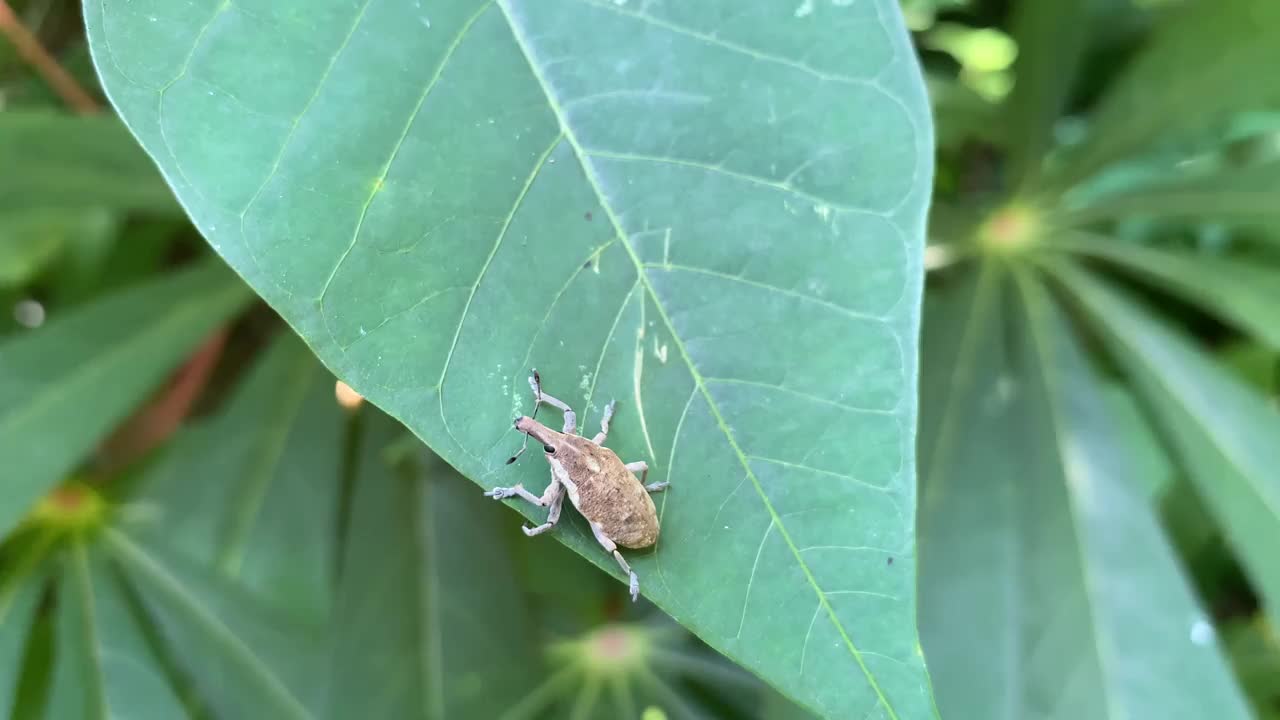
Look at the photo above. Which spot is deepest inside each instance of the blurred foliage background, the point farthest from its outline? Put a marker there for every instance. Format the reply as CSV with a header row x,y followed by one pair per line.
x,y
1099,441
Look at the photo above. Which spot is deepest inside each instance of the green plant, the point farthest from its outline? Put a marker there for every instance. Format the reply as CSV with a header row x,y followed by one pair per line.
x,y
712,212
645,203
1041,518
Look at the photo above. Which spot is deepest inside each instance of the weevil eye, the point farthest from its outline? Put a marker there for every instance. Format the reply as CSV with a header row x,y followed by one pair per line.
x,y
550,450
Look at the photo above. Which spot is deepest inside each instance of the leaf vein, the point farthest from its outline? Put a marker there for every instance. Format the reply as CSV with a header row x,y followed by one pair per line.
x,y
855,314
395,152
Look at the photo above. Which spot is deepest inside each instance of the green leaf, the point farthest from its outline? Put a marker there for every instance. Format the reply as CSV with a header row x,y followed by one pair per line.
x,y
423,629
1199,68
971,506
246,659
1050,552
104,667
254,491
1152,467
23,253
1255,651
1051,40
1223,432
19,599
66,385
1239,194
53,160
714,215
34,239
1244,294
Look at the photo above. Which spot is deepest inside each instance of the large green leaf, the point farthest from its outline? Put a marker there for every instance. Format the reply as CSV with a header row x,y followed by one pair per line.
x,y
1244,294
1224,432
254,491
1048,549
1200,67
423,630
114,351
712,212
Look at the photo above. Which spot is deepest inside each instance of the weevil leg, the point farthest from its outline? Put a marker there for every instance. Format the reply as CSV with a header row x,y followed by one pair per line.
x,y
611,546
657,487
640,467
502,493
553,516
570,419
604,423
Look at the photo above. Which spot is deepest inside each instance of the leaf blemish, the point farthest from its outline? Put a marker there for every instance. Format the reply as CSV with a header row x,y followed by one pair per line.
x,y
660,352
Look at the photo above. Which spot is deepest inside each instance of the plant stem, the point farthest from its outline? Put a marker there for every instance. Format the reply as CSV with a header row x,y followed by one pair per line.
x,y
30,49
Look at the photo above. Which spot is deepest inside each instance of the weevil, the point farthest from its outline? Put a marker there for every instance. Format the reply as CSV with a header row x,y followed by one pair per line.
x,y
604,489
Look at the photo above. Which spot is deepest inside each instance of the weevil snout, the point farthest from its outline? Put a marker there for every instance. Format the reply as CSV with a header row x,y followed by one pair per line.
x,y
532,429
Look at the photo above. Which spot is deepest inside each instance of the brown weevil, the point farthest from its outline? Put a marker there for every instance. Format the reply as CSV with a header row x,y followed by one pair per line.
x,y
603,488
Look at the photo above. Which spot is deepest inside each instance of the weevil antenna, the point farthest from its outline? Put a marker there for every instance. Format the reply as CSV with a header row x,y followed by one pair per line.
x,y
537,403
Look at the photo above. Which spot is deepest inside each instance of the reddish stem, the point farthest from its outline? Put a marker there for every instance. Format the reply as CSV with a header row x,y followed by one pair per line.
x,y
30,49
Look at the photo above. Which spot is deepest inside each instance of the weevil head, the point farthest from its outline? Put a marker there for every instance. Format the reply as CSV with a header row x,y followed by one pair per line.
x,y
536,430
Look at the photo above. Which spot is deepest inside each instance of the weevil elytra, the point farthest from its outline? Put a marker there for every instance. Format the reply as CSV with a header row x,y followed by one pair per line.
x,y
604,489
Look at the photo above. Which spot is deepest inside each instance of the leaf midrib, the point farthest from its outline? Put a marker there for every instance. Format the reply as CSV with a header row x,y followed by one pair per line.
x,y
588,171
80,570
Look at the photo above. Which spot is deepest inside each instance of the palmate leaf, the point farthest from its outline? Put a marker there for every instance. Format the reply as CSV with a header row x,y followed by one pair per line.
x,y
230,540
1231,194
1049,549
1197,69
54,160
1244,294
430,620
248,490
104,666
1051,40
115,350
711,211
1222,431
19,599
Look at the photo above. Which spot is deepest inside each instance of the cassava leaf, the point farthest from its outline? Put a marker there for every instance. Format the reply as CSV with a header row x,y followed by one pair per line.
x,y
245,658
1050,552
115,350
1244,294
1232,194
1050,35
1196,71
254,491
1222,431
67,162
19,600
421,629
711,211
104,666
